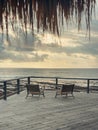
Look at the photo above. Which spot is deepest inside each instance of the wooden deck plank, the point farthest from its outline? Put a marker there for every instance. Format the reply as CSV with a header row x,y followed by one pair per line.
x,y
49,113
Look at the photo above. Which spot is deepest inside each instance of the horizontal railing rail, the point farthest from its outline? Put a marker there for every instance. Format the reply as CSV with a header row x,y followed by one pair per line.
x,y
19,86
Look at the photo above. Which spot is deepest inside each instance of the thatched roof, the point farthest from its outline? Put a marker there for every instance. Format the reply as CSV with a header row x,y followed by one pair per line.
x,y
44,14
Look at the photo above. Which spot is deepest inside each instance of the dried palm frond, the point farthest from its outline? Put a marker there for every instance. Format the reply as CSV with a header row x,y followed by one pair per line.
x,y
47,15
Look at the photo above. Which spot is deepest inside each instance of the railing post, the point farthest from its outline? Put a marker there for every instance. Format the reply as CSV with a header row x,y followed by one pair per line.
x,y
5,94
56,83
28,80
88,86
18,86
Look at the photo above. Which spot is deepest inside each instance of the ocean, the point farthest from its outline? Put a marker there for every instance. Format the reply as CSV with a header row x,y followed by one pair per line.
x,y
11,73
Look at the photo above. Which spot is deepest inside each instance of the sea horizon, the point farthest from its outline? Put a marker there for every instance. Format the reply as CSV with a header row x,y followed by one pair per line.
x,y
78,76
10,73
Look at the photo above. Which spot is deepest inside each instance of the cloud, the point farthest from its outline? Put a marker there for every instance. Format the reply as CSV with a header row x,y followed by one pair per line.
x,y
20,42
72,45
22,57
20,48
81,46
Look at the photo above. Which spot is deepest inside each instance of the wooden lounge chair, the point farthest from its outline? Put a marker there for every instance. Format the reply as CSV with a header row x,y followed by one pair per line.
x,y
34,89
65,90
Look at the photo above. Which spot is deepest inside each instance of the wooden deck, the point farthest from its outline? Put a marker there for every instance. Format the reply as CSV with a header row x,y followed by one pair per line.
x,y
49,113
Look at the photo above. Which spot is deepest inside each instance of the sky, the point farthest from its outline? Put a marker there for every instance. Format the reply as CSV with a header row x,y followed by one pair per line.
x,y
73,49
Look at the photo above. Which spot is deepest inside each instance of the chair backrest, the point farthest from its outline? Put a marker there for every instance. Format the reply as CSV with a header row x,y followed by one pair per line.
x,y
33,88
67,88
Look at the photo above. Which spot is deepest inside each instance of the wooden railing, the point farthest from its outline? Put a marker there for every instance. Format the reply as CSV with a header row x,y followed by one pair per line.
x,y
4,84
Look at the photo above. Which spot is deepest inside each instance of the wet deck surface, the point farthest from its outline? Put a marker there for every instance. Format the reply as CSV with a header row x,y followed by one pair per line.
x,y
49,113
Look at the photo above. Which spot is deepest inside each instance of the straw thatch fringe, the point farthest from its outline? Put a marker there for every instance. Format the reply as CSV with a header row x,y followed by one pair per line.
x,y
47,15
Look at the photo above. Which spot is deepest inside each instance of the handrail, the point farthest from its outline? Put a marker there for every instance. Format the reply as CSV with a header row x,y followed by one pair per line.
x,y
4,82
48,77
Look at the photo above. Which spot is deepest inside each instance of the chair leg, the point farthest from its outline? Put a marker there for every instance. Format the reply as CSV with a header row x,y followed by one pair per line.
x,y
26,95
55,95
73,95
66,94
43,95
